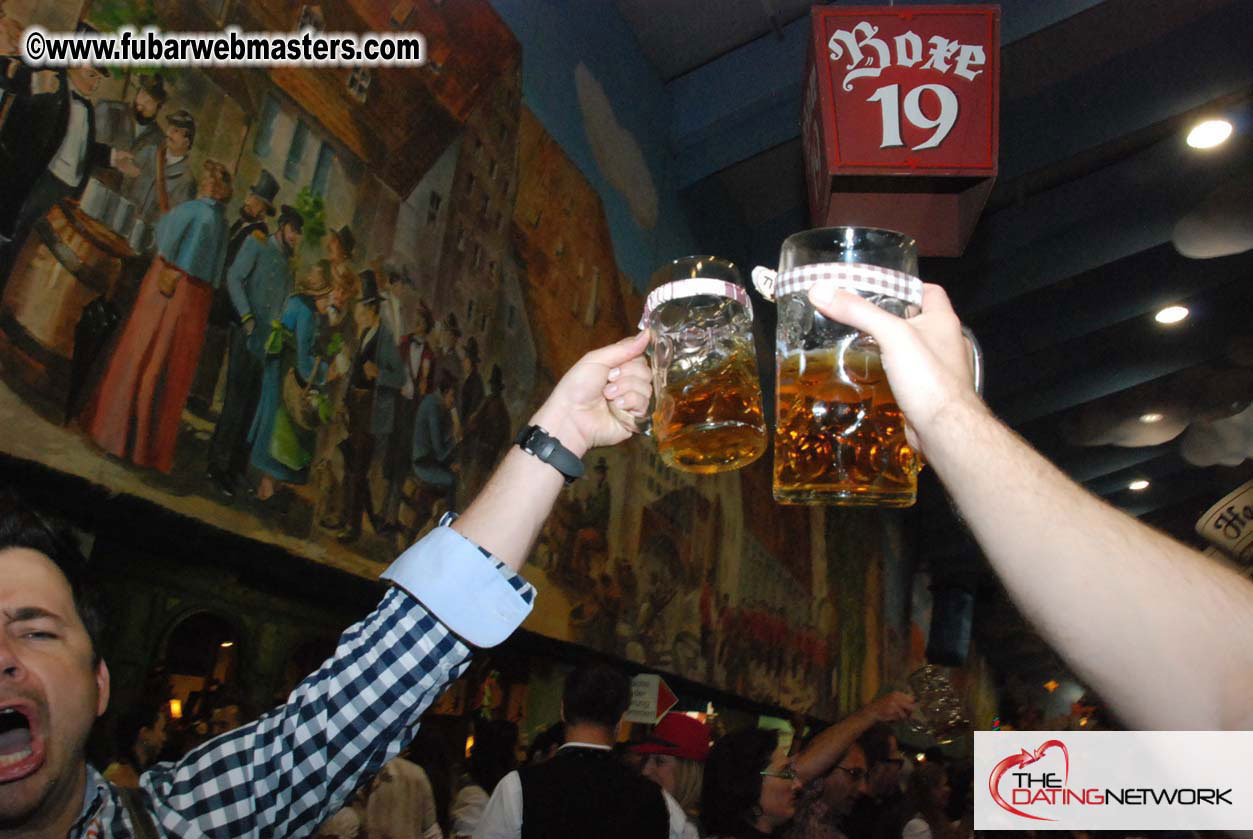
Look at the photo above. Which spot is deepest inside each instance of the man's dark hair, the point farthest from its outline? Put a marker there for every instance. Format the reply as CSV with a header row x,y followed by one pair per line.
x,y
21,526
876,742
597,694
445,382
732,783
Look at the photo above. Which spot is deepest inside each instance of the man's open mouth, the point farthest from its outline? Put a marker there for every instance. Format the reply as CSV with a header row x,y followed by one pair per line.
x,y
21,749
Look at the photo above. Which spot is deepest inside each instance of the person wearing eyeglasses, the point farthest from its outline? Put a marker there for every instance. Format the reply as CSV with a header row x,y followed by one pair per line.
x,y
880,813
825,805
752,790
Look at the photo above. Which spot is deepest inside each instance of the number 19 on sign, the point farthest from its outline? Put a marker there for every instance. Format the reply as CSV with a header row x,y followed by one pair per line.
x,y
889,99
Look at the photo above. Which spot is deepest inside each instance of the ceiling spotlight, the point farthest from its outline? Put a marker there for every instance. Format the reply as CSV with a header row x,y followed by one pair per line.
x,y
1137,486
1210,133
226,645
1171,314
1151,417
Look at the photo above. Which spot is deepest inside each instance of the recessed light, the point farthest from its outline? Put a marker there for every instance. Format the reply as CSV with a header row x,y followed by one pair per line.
x,y
1151,417
226,645
1138,486
1171,314
1210,133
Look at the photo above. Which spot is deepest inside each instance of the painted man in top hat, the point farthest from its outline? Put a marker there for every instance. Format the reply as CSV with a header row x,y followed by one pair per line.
x,y
257,282
165,176
48,146
376,377
258,204
417,354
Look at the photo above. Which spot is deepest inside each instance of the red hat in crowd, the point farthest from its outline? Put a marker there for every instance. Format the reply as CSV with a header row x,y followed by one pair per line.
x,y
677,735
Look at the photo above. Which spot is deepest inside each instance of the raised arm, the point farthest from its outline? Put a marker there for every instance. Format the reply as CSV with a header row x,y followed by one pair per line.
x,y
592,405
283,774
1159,630
822,753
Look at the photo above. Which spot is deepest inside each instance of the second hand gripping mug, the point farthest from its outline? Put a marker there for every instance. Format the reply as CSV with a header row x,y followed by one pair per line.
x,y
839,435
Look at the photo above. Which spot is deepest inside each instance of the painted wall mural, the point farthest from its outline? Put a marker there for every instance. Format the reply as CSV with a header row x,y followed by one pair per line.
x,y
312,306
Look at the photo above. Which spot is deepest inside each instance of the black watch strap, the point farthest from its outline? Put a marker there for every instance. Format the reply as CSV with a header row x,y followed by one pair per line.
x,y
535,440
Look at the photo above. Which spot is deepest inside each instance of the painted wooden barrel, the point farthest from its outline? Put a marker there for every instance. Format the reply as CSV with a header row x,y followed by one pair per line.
x,y
68,260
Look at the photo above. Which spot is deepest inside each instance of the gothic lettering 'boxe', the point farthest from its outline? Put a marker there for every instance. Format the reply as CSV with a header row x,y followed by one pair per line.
x,y
900,120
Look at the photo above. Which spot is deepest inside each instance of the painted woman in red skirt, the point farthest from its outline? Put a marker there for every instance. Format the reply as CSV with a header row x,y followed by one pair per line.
x,y
137,409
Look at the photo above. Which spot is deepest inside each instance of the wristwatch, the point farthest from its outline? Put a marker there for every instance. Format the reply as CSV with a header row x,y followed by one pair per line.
x,y
535,440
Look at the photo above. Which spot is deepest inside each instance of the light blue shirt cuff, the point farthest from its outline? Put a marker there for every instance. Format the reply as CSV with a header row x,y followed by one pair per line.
x,y
474,595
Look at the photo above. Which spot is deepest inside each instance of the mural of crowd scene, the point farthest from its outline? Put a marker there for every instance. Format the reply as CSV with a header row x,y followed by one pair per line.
x,y
313,305
284,302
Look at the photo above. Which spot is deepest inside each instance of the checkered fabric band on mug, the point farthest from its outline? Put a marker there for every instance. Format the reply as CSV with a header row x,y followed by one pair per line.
x,y
855,276
690,288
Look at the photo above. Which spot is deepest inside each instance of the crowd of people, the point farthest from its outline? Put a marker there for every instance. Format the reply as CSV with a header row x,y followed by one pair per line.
x,y
1165,636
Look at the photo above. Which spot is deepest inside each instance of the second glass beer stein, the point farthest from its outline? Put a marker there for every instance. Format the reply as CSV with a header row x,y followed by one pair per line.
x,y
839,435
707,414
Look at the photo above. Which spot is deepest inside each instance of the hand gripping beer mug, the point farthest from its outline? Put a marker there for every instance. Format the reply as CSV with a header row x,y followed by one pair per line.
x,y
839,435
940,712
707,414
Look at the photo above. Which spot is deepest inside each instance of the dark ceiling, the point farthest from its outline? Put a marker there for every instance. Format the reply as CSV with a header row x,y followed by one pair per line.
x,y
1077,249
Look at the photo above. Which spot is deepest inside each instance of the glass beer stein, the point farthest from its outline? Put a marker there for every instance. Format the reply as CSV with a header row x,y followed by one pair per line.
x,y
839,435
940,712
707,414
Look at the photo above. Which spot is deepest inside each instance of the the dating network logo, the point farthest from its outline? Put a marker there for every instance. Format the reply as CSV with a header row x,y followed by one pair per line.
x,y
1115,780
1049,785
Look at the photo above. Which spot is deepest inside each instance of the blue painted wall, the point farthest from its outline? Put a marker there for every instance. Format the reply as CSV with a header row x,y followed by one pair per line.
x,y
556,36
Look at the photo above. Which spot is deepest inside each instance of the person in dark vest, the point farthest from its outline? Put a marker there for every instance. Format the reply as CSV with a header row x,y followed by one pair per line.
x,y
258,204
370,399
585,790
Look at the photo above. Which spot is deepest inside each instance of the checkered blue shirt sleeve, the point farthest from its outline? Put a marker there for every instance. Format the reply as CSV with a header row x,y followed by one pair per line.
x,y
285,773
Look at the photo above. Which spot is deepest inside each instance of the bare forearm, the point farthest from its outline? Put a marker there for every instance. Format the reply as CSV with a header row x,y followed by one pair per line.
x,y
507,515
825,750
1160,631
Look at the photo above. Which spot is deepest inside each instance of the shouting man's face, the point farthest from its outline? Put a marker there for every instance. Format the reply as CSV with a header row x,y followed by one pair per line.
x,y
51,691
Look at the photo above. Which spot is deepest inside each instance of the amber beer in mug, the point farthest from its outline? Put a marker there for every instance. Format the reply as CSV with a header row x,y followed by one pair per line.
x,y
707,414
710,420
839,436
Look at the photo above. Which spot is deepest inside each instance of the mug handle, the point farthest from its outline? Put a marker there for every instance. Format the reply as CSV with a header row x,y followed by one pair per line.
x,y
976,358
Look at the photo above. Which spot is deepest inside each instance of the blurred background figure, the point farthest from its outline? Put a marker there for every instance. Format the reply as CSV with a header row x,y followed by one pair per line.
x,y
493,755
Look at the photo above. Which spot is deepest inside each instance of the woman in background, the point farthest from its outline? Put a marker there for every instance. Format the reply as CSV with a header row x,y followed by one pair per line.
x,y
283,441
674,757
